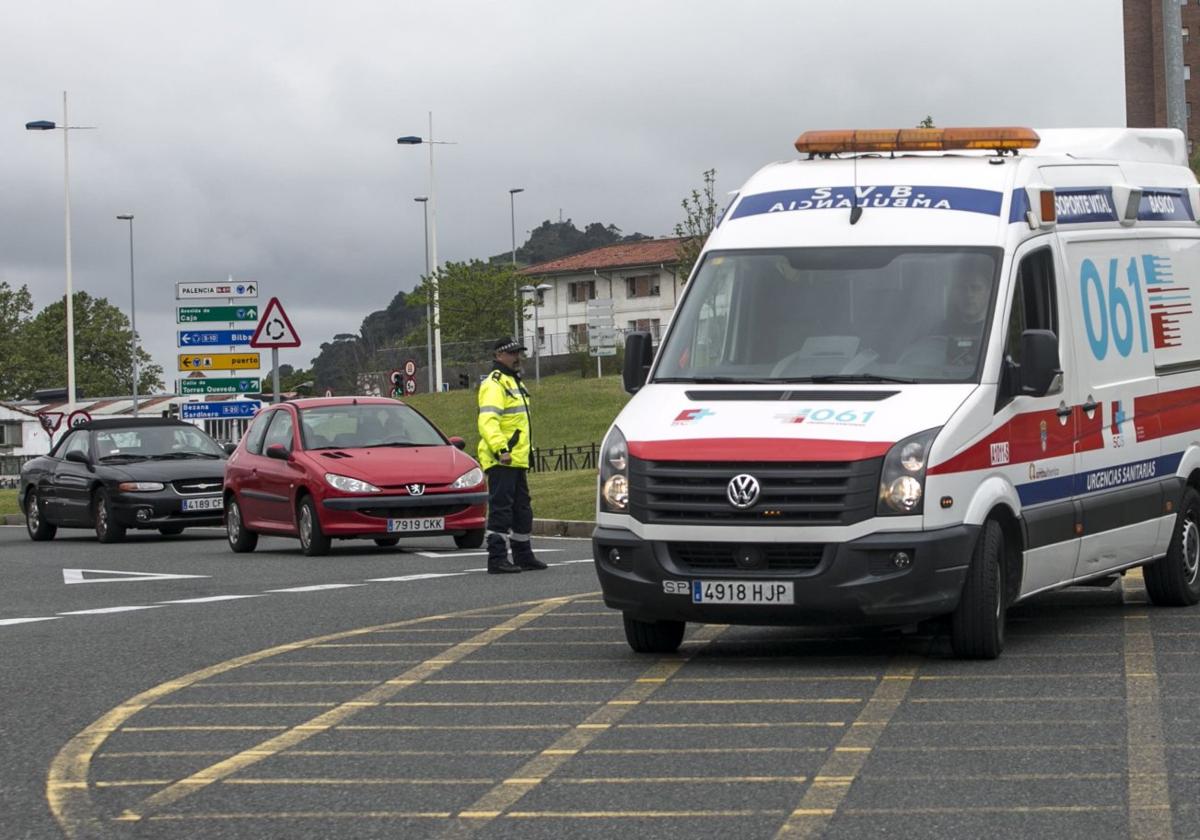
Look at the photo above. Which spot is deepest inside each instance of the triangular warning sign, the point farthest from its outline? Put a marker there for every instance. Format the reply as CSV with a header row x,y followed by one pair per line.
x,y
274,328
77,576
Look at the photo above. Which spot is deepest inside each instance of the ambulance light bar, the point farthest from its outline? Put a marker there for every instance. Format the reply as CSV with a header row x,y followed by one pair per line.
x,y
998,139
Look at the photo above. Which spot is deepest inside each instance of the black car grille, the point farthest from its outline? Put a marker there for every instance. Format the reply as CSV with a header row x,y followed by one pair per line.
x,y
801,493
198,486
753,557
413,512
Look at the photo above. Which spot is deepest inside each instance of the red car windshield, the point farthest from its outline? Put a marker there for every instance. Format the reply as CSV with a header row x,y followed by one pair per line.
x,y
365,425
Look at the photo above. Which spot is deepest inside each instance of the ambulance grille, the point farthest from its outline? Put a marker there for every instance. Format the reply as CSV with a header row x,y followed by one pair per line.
x,y
807,493
758,557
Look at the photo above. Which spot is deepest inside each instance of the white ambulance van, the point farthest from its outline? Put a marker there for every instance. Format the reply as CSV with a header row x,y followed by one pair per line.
x,y
918,373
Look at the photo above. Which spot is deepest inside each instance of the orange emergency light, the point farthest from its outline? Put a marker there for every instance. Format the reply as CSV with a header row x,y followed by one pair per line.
x,y
1004,138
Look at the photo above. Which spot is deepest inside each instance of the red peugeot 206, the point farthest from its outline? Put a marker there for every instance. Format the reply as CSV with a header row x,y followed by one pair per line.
x,y
349,468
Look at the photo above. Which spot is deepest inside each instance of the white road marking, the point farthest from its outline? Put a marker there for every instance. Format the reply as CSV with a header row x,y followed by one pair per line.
x,y
5,621
76,576
211,599
103,610
478,553
318,587
427,576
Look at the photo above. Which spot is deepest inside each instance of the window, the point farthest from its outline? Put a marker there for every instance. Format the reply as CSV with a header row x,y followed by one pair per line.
x,y
1034,302
644,286
257,431
10,434
541,337
364,425
1187,72
583,290
76,442
280,431
650,325
1185,34
578,336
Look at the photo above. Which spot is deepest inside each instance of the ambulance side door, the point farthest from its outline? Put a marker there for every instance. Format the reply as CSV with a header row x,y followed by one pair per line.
x,y
1119,498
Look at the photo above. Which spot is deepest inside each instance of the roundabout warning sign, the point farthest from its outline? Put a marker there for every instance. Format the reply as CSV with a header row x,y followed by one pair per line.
x,y
275,328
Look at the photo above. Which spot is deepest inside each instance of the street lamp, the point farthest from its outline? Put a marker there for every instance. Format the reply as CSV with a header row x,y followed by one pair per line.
x,y
512,213
424,199
537,363
412,140
66,128
128,217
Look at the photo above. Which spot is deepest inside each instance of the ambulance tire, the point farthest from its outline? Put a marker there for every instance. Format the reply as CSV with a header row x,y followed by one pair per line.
x,y
654,636
977,626
1174,579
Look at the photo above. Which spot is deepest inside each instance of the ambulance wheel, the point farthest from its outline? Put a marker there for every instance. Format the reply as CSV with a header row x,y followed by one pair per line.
x,y
471,539
1174,579
654,636
977,626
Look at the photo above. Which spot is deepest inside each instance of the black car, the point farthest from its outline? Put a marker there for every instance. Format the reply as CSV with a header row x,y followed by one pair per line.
x,y
116,474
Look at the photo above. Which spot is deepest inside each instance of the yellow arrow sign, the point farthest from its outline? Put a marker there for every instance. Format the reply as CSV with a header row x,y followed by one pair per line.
x,y
218,361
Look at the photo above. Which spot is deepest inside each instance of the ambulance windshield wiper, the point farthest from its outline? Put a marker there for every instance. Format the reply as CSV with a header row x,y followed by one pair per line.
x,y
854,377
717,380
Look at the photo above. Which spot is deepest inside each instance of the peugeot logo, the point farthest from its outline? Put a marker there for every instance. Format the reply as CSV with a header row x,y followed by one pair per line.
x,y
416,489
742,491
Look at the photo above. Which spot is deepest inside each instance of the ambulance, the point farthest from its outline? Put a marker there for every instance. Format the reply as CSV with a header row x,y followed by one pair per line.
x,y
918,373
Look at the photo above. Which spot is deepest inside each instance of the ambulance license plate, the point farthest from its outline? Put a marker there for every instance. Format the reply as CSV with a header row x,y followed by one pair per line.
x,y
415,525
211,503
767,592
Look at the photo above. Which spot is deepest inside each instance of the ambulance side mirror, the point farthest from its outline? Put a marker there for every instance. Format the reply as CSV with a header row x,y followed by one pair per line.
x,y
1040,369
639,354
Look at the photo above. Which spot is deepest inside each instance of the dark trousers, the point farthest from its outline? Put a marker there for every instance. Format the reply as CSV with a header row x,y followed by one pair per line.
x,y
509,508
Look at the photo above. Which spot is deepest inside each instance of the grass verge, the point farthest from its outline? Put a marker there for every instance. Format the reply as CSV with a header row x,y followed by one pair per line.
x,y
8,502
564,495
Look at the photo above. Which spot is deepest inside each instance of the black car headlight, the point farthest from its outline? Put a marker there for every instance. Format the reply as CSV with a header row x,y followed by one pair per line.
x,y
902,480
614,473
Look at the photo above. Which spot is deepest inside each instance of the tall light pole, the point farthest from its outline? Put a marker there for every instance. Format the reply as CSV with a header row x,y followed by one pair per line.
x,y
512,215
66,128
128,217
541,288
424,199
411,140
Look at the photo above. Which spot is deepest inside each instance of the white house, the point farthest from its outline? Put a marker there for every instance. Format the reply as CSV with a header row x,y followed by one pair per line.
x,y
641,279
21,437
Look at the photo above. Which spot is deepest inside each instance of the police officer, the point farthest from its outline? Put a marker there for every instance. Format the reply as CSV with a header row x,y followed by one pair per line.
x,y
504,455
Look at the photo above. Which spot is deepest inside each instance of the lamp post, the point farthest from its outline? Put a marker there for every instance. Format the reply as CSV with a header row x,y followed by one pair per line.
x,y
424,199
512,214
66,128
537,343
128,217
412,140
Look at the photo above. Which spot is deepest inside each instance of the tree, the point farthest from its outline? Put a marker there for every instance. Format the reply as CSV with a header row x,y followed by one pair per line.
x,y
290,379
338,364
699,219
927,122
103,355
476,301
15,308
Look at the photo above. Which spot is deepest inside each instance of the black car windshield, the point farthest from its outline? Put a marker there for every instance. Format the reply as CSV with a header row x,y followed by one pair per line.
x,y
363,425
894,314
155,442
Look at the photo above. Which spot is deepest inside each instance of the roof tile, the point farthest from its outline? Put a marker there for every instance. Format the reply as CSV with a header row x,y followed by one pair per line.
x,y
620,255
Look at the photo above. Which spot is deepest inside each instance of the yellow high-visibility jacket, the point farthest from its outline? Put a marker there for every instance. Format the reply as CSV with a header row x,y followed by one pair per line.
x,y
503,420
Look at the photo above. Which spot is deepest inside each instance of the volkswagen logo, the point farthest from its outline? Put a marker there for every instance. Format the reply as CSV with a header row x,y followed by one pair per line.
x,y
742,491
416,489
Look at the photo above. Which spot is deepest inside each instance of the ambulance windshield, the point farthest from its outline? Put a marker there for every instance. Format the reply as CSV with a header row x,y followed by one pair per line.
x,y
902,314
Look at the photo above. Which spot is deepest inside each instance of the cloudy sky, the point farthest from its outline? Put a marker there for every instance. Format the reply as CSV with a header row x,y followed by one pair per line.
x,y
257,139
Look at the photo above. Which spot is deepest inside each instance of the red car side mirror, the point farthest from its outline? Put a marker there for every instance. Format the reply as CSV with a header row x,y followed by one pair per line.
x,y
458,442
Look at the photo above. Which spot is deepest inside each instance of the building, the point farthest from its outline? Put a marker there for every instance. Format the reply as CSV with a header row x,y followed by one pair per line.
x,y
21,437
1145,73
641,278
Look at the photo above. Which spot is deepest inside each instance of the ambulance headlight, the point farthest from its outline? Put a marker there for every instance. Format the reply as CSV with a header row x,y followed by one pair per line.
x,y
902,479
614,473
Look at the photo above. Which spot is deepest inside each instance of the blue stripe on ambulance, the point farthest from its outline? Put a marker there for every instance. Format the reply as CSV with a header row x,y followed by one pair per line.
x,y
898,196
1098,480
1082,205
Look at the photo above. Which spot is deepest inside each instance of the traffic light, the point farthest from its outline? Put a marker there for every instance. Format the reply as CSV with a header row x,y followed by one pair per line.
x,y
464,381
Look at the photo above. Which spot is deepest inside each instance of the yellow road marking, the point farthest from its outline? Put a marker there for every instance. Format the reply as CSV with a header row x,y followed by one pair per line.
x,y
1149,791
533,772
637,815
278,683
737,725
66,783
321,781
821,801
301,815
670,780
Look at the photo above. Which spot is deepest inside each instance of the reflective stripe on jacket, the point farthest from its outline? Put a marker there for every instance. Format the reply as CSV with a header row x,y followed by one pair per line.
x,y
503,420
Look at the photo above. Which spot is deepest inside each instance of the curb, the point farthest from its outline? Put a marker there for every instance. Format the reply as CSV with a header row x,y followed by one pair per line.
x,y
562,528
14,519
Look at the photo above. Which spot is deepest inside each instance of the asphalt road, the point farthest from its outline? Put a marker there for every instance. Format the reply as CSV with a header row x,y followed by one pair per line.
x,y
403,693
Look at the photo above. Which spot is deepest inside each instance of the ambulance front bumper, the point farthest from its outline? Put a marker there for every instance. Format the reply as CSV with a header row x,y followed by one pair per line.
x,y
883,578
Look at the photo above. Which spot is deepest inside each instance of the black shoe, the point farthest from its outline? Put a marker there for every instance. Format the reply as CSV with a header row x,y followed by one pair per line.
x,y
505,568
524,557
530,564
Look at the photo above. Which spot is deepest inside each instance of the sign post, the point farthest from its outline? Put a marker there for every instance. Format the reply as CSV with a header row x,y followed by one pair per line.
x,y
275,330
602,332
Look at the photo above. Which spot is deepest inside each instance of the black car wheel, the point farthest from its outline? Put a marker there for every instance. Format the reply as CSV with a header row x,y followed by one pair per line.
x,y
241,539
387,542
471,539
313,541
37,526
108,530
172,531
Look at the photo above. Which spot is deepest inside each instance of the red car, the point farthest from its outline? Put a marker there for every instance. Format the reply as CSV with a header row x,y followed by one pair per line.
x,y
348,468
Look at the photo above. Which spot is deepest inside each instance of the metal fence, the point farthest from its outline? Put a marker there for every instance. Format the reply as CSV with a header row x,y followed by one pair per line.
x,y
563,458
10,469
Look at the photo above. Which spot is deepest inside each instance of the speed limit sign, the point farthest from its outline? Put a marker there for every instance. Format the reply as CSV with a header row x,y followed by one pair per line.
x,y
410,385
410,369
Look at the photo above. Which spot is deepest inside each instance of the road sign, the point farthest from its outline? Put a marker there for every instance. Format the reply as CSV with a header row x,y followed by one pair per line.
x,y
195,314
410,385
274,328
602,333
191,291
227,385
78,417
50,420
410,367
219,410
214,338
218,361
